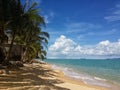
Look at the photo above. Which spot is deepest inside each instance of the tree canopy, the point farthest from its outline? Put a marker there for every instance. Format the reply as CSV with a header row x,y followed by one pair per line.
x,y
23,27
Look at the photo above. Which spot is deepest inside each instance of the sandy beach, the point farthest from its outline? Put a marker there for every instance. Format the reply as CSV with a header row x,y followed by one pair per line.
x,y
41,77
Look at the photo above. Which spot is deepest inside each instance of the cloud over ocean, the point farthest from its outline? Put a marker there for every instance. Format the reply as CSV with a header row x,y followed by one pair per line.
x,y
64,47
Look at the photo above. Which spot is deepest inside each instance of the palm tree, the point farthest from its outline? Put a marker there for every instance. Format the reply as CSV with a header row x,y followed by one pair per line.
x,y
24,24
31,33
40,44
5,19
34,42
15,23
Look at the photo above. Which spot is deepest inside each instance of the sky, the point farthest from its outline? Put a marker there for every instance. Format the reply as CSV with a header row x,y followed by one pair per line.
x,y
82,28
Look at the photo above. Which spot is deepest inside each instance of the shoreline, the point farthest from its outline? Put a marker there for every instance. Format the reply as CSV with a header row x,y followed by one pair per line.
x,y
95,81
111,86
72,82
41,76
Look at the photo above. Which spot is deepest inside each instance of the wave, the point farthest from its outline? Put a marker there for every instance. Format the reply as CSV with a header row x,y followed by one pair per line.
x,y
100,79
87,79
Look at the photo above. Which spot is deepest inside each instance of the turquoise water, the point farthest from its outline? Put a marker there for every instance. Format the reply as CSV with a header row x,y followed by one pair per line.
x,y
97,72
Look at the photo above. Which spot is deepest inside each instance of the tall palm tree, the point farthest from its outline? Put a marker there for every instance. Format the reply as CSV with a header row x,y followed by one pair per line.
x,y
15,23
5,19
31,33
24,24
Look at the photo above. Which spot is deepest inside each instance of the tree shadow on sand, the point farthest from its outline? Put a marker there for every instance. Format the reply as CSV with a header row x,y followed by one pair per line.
x,y
31,76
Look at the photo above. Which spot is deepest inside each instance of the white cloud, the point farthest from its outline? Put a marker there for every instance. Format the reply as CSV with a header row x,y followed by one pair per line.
x,y
62,43
104,43
67,48
115,16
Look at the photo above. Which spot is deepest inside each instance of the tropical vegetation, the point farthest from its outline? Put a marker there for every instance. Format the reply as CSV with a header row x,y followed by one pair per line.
x,y
21,25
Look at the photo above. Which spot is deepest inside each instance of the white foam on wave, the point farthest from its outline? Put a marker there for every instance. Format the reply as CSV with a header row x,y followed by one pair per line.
x,y
100,79
87,79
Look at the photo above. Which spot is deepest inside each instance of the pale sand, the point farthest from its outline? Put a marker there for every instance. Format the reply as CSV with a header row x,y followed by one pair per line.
x,y
41,77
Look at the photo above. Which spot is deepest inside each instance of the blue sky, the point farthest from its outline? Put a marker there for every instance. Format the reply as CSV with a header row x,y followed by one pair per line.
x,y
84,21
89,24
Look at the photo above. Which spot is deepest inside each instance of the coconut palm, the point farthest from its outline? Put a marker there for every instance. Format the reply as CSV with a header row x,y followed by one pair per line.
x,y
31,32
24,25
5,18
34,42
15,22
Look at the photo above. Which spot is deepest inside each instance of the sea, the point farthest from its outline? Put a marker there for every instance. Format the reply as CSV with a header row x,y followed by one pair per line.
x,y
98,72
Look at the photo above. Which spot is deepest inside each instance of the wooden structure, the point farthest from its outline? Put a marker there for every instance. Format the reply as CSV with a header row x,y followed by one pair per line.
x,y
16,51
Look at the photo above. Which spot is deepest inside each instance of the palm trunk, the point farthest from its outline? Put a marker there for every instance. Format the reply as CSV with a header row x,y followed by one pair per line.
x,y
24,54
1,34
10,49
